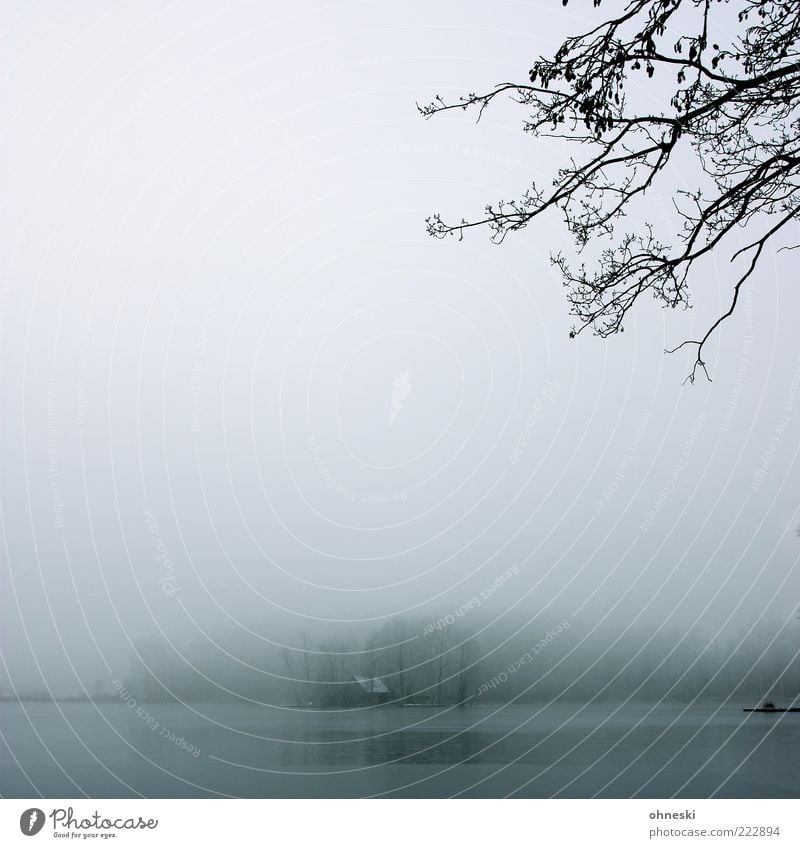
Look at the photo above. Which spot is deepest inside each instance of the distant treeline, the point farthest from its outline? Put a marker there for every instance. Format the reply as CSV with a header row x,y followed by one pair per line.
x,y
447,659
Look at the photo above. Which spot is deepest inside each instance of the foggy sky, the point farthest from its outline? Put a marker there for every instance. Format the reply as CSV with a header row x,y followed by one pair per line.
x,y
241,385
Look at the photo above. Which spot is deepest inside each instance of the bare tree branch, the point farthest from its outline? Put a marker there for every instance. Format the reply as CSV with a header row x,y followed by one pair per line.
x,y
734,102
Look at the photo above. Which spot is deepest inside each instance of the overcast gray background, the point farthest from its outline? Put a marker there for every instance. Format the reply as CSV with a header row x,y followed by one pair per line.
x,y
215,267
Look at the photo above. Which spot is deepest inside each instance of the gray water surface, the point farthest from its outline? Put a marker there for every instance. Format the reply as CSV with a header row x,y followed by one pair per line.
x,y
531,750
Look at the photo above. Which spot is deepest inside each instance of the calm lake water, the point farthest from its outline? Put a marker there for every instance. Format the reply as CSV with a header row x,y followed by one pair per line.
x,y
565,750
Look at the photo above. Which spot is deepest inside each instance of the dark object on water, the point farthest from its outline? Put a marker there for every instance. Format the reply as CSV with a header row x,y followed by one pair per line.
x,y
769,707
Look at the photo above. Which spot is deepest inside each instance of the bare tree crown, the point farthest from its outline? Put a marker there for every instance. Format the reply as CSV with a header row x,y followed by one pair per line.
x,y
733,94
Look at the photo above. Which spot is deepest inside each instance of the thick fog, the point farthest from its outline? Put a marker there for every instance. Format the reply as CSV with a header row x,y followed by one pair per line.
x,y
245,396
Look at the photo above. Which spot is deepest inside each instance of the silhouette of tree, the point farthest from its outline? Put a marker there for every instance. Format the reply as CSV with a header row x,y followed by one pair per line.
x,y
731,90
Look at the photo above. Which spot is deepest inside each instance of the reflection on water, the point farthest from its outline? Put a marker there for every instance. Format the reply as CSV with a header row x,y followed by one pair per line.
x,y
531,750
